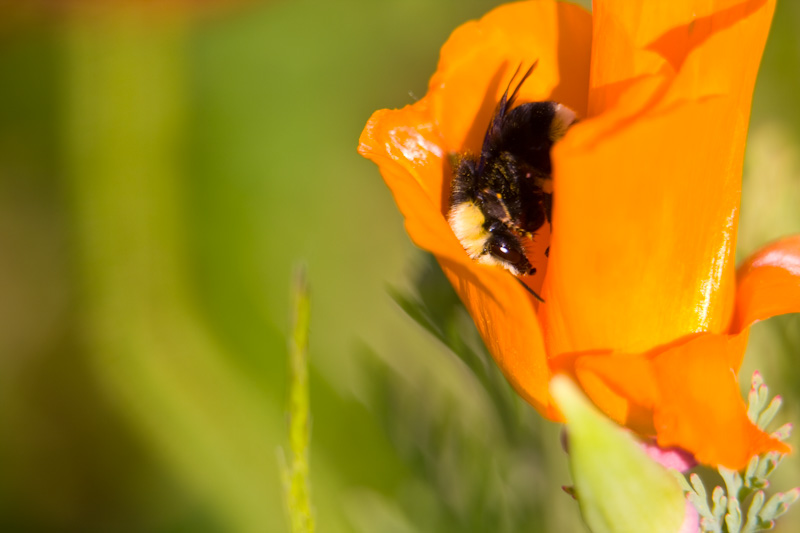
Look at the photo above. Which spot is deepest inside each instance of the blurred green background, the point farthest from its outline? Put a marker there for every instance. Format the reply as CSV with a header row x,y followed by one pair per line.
x,y
162,173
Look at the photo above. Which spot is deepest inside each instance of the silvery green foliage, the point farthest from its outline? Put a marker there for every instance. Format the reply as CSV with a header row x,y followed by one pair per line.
x,y
723,514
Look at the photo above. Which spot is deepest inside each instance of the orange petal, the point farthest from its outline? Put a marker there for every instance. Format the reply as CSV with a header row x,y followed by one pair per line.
x,y
478,59
769,283
506,319
411,147
646,200
701,408
622,386
636,39
411,158
686,394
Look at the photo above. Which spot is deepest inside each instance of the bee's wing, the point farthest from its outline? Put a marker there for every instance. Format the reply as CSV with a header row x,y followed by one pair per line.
x,y
503,106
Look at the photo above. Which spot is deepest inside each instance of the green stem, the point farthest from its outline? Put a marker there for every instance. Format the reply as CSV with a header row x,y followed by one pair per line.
x,y
296,483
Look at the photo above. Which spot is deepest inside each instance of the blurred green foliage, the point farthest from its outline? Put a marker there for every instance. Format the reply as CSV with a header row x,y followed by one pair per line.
x,y
161,174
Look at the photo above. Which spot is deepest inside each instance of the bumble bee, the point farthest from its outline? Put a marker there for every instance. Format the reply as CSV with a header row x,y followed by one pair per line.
x,y
500,200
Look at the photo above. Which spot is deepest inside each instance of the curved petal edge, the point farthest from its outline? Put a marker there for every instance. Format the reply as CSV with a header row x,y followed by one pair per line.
x,y
768,283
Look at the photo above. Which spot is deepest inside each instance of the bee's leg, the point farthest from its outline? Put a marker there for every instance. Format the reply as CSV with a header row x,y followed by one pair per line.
x,y
547,203
548,213
531,291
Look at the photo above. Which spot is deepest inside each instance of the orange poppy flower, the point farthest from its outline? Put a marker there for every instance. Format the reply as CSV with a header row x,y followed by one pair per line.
x,y
643,304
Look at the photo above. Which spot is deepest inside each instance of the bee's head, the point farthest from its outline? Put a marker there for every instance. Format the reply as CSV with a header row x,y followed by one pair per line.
x,y
487,240
504,247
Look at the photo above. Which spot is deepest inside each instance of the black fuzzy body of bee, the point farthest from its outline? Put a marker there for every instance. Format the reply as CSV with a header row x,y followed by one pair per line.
x,y
502,198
